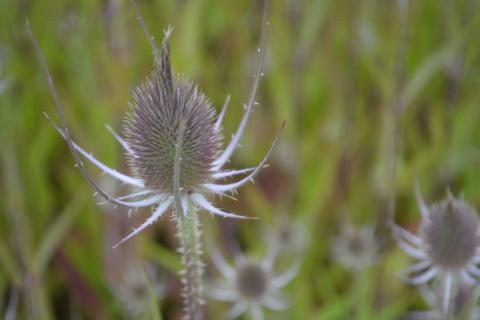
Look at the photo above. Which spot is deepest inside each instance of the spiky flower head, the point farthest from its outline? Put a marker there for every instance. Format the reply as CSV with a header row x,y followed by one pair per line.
x,y
252,280
447,246
158,107
139,284
251,284
451,233
355,248
287,235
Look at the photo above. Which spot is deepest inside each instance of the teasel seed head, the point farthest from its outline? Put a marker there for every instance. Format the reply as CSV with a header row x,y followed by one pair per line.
x,y
451,233
251,284
288,236
447,247
252,280
152,126
356,247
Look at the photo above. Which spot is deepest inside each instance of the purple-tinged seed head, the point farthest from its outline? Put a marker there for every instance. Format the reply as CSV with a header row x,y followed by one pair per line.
x,y
151,128
252,280
356,247
451,233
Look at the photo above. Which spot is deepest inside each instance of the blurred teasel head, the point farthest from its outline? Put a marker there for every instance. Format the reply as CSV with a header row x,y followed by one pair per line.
x,y
140,284
355,248
172,140
447,246
451,233
251,284
287,235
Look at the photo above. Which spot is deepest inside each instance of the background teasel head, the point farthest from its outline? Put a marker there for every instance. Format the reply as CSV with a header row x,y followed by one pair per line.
x,y
251,284
447,245
451,233
288,235
355,248
140,284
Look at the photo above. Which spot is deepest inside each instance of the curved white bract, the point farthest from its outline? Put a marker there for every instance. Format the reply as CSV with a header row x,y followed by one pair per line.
x,y
156,214
203,203
120,140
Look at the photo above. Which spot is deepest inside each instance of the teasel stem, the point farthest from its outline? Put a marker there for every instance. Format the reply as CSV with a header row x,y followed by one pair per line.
x,y
188,227
395,111
188,232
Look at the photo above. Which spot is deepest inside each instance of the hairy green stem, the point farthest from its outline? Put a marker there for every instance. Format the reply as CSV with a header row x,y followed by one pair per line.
x,y
188,227
188,231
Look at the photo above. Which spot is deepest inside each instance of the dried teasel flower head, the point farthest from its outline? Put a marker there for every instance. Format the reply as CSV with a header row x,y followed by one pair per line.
x,y
139,284
151,129
251,284
451,233
287,235
448,245
252,280
356,248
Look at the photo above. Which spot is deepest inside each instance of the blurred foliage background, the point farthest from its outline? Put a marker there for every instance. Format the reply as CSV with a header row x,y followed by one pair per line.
x,y
375,94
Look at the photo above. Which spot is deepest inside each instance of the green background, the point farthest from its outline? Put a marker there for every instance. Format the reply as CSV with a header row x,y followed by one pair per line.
x,y
375,94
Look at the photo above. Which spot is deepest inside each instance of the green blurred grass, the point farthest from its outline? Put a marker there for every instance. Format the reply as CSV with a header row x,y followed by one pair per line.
x,y
338,71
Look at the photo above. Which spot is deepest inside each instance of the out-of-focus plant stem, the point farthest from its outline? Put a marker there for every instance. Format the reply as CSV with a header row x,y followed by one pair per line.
x,y
31,285
394,110
190,242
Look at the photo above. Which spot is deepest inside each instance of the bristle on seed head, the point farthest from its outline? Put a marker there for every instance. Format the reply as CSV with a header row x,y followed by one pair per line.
x,y
158,107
